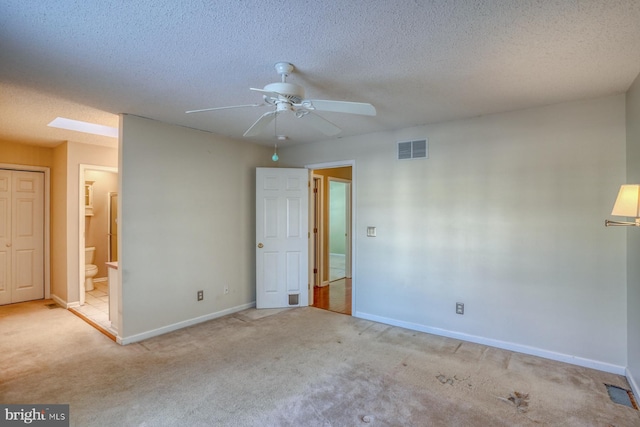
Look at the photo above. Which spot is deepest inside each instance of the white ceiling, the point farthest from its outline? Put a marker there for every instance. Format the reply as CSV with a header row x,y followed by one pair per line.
x,y
417,61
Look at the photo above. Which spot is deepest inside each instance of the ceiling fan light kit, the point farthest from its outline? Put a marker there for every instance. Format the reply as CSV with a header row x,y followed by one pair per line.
x,y
284,96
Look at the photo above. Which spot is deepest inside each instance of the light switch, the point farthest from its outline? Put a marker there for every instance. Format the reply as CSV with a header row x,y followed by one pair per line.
x,y
371,232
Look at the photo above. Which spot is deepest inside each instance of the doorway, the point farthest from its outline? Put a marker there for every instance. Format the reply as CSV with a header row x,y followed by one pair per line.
x,y
331,246
97,187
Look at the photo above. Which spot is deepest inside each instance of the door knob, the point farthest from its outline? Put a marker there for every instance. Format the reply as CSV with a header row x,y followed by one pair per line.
x,y
8,245
260,245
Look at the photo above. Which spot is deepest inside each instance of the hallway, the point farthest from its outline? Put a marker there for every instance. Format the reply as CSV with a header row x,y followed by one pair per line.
x,y
334,297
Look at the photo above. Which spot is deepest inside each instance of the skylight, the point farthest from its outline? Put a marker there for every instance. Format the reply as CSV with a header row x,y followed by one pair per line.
x,y
86,127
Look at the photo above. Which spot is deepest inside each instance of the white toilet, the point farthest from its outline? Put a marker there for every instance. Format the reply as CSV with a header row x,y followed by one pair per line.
x,y
90,269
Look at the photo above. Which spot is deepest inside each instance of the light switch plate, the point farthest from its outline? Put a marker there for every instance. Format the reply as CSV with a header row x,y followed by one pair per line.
x,y
371,232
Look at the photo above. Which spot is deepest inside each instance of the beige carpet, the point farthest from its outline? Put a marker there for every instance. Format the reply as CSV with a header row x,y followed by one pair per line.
x,y
298,367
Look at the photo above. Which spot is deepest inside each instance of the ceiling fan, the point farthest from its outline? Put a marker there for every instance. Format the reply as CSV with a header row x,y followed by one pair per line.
x,y
285,96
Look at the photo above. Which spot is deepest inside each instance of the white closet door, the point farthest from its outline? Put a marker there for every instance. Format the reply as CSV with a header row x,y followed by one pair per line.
x,y
5,236
21,236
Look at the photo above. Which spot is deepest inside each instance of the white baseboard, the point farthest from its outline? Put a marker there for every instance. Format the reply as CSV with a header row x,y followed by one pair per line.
x,y
633,383
174,327
63,303
519,348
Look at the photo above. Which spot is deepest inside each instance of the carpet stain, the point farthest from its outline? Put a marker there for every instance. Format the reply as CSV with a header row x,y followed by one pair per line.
x,y
445,380
519,400
452,380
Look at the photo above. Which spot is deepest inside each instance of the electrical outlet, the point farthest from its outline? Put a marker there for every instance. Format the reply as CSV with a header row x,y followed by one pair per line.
x,y
459,308
226,289
200,295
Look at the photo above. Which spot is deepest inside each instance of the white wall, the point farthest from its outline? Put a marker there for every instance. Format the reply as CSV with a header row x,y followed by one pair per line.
x,y
633,238
187,209
507,216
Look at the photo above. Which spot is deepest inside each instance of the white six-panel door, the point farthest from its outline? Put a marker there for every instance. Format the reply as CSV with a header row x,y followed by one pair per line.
x,y
21,236
282,205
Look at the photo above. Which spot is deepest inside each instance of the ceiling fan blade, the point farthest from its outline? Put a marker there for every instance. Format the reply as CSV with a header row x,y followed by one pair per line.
x,y
362,108
224,108
320,123
259,126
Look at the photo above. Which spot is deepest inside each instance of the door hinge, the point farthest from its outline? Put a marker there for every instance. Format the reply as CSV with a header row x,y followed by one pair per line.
x,y
315,230
315,271
315,190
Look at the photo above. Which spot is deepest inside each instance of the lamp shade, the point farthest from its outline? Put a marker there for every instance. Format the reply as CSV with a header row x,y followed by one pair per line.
x,y
628,201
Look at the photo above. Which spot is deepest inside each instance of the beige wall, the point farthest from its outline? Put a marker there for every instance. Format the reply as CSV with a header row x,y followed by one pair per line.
x,y
187,223
633,238
24,154
59,268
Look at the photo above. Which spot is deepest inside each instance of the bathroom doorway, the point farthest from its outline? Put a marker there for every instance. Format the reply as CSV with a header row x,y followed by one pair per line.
x,y
97,186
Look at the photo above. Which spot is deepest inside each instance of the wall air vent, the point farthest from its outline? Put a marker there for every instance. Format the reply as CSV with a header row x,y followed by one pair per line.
x,y
418,149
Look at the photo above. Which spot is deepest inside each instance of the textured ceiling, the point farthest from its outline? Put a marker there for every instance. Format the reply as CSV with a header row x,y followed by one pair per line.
x,y
418,62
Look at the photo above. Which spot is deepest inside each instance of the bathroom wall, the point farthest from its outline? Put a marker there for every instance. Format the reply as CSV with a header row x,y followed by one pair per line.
x,y
96,226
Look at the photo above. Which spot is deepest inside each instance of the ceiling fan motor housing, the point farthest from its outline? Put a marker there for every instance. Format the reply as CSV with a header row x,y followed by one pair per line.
x,y
290,91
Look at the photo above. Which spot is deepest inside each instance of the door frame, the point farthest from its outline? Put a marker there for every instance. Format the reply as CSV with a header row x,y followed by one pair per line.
x,y
110,195
330,165
317,244
81,220
47,217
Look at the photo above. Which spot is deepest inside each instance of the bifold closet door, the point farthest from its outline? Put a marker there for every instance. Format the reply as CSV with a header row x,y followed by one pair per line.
x,y
21,236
